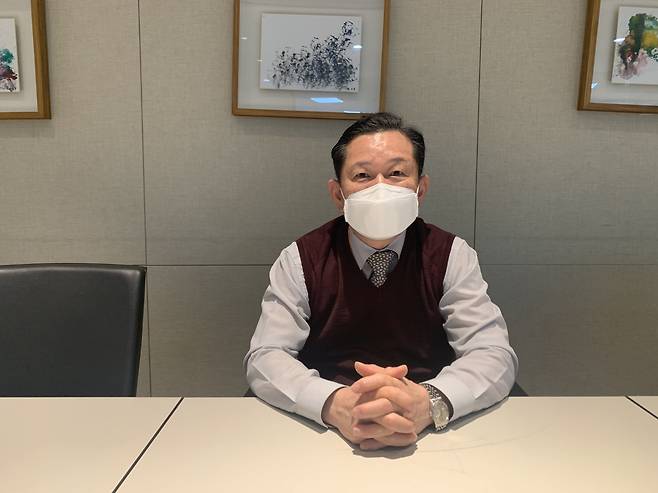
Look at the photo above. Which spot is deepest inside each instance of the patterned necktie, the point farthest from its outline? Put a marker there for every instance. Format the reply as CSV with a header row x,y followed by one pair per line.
x,y
380,262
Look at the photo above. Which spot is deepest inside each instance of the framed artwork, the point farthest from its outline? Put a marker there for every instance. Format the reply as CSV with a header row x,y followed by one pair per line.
x,y
309,58
620,57
23,60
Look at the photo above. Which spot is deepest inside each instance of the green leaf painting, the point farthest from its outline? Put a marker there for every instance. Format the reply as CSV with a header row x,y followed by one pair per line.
x,y
9,80
636,53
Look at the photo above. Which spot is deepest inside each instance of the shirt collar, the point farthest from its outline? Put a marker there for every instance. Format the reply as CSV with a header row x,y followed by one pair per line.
x,y
361,251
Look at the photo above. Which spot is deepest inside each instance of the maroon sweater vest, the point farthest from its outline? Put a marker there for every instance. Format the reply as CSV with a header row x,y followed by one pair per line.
x,y
352,320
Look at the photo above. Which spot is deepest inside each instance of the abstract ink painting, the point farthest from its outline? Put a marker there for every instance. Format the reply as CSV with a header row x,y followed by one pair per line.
x,y
636,46
9,79
310,52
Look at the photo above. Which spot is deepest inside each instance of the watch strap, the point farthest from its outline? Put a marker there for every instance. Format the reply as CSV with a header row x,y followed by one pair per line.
x,y
434,392
438,398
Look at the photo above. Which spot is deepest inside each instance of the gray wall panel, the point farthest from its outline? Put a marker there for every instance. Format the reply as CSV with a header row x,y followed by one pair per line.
x,y
220,189
581,330
72,188
433,82
556,185
201,321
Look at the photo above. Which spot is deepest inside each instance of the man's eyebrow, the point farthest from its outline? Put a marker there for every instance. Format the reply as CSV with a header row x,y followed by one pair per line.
x,y
394,160
359,163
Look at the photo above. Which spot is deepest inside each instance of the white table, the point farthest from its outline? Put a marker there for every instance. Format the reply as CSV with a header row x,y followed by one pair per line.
x,y
649,402
527,444
73,445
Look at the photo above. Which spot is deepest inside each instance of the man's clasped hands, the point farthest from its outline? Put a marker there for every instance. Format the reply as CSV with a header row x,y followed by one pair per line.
x,y
381,409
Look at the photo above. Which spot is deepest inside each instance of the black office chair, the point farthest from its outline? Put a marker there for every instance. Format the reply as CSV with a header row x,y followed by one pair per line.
x,y
70,329
517,391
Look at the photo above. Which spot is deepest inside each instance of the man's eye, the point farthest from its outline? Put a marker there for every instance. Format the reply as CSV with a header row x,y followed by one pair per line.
x,y
397,172
361,176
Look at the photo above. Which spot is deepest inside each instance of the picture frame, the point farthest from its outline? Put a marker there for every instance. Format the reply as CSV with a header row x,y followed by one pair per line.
x,y
619,70
24,92
305,59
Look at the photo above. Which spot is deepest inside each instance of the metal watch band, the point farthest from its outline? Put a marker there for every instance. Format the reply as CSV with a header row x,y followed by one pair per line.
x,y
432,391
436,398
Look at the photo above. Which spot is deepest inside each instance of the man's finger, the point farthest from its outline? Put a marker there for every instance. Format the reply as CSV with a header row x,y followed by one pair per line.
x,y
399,402
394,440
363,431
398,439
365,369
372,444
373,382
375,409
397,423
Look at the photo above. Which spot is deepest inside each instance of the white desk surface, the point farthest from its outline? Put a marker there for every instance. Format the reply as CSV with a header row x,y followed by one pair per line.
x,y
649,402
74,445
537,444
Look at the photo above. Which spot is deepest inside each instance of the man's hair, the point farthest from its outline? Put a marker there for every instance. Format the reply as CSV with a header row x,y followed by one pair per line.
x,y
378,122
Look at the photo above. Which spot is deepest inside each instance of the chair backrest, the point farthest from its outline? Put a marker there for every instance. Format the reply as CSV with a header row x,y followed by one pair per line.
x,y
70,329
517,391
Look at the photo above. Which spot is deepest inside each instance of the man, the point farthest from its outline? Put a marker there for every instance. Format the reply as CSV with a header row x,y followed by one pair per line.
x,y
376,323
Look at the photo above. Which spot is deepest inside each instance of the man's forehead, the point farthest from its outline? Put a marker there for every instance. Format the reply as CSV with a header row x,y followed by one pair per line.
x,y
390,142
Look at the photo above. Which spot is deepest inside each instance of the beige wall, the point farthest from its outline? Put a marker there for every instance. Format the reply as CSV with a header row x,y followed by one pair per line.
x,y
143,163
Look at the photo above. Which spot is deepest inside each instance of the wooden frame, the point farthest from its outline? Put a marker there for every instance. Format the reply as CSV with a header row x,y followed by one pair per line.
x,y
596,55
36,93
260,102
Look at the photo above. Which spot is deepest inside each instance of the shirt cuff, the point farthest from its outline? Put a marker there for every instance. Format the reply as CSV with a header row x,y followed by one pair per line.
x,y
457,393
310,401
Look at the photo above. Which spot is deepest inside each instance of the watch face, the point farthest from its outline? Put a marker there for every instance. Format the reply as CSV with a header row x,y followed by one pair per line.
x,y
440,413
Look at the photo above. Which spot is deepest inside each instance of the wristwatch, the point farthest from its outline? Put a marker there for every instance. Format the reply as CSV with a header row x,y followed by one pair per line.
x,y
439,409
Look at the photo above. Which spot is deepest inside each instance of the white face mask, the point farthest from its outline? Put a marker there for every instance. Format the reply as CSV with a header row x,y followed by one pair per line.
x,y
381,211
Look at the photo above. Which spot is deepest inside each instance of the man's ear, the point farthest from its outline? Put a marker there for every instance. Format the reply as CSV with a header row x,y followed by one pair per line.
x,y
335,194
423,187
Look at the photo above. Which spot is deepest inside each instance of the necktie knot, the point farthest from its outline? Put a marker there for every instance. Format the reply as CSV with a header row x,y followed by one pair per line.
x,y
380,262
